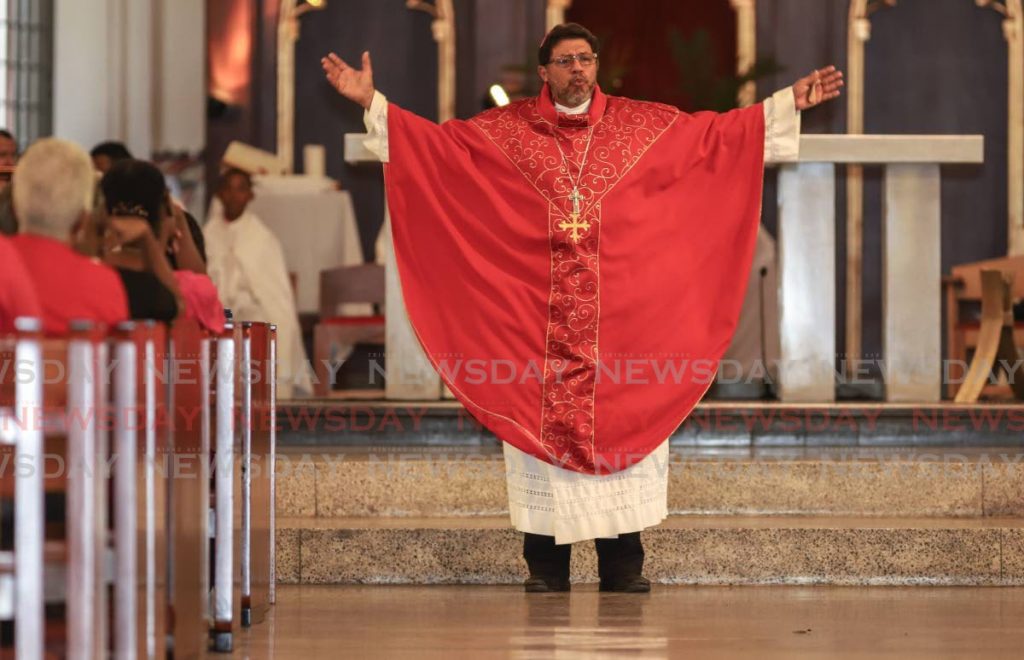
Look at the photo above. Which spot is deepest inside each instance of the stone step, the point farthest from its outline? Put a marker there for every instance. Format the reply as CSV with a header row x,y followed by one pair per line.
x,y
460,481
711,424
683,550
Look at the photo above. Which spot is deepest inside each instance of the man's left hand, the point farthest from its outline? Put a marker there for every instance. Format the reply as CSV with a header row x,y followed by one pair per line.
x,y
822,85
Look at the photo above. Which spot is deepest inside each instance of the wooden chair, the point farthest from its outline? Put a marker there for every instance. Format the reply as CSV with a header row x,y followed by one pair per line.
x,y
335,335
995,340
963,297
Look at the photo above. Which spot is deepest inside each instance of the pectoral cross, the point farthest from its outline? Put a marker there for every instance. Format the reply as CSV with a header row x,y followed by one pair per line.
x,y
574,223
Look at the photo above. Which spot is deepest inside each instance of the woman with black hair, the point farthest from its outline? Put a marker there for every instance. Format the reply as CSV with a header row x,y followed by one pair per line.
x,y
150,242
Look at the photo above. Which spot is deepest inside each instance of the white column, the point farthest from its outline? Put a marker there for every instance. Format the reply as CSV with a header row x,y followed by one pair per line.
x,y
912,270
130,70
179,76
555,14
746,47
84,97
409,373
287,34
1012,28
807,298
136,63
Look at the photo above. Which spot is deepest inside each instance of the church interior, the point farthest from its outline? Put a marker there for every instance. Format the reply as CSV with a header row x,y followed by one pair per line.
x,y
278,465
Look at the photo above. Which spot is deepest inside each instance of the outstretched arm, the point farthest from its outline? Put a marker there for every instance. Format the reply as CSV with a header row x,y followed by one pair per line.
x,y
782,112
354,84
358,86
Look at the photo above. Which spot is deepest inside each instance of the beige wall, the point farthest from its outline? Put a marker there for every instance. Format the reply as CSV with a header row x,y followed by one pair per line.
x,y
130,70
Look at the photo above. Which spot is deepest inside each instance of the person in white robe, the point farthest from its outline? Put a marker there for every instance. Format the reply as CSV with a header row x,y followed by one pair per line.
x,y
246,262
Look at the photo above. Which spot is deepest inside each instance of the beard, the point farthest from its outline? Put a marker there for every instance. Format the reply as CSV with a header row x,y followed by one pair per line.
x,y
573,95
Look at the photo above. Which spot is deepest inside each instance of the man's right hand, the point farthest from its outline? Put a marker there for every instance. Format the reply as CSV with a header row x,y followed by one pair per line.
x,y
353,84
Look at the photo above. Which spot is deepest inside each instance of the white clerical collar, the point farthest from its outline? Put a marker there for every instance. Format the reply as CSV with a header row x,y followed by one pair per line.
x,y
578,110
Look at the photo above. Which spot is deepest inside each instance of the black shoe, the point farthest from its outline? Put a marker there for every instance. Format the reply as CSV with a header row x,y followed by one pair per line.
x,y
535,584
636,584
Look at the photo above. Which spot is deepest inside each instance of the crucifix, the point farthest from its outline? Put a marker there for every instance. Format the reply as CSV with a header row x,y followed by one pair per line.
x,y
574,223
576,197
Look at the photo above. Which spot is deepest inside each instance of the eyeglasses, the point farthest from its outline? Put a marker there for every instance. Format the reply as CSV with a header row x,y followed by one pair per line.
x,y
565,61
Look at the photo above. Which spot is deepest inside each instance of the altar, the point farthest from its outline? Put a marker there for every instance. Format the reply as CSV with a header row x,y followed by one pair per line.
x,y
911,364
317,231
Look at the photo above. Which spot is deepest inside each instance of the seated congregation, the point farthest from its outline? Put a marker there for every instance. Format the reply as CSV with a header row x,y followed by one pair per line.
x,y
140,412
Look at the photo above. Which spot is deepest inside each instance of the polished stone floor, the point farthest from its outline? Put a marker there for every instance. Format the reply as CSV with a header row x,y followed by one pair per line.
x,y
671,622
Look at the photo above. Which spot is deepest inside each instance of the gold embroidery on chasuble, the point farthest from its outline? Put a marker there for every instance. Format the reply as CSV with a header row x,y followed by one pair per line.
x,y
617,141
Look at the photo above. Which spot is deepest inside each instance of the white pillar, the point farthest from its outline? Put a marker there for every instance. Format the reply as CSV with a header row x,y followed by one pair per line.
x,y
409,373
179,76
132,71
912,271
1012,28
86,108
807,295
746,47
555,14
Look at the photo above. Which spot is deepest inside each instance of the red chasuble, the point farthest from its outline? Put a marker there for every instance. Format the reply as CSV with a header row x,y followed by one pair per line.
x,y
575,279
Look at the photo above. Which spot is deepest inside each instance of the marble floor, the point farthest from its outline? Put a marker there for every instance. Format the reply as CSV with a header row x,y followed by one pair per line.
x,y
671,622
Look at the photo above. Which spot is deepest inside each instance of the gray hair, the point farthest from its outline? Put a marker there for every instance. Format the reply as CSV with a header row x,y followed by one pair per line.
x,y
53,186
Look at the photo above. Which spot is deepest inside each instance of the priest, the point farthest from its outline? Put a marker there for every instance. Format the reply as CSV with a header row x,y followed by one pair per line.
x,y
591,252
246,263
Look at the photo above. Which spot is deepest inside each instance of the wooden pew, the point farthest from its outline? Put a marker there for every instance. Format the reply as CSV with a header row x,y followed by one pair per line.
x,y
244,455
223,498
57,394
155,542
189,490
139,447
21,582
257,472
87,534
272,588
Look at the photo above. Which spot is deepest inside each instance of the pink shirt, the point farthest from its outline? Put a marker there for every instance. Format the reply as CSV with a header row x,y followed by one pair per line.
x,y
202,303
